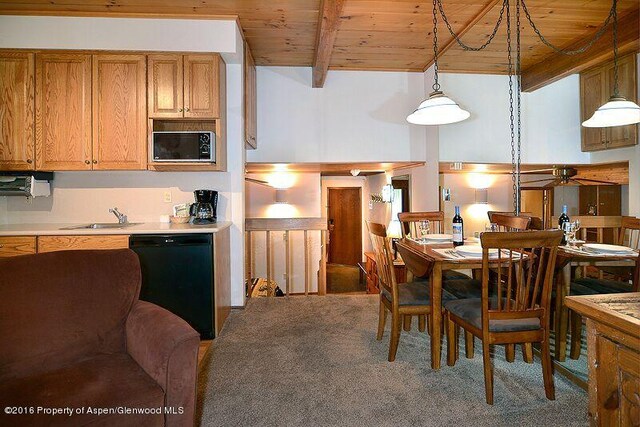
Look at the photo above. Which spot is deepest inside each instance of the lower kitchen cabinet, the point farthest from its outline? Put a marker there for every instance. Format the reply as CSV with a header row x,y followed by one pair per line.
x,y
82,242
17,245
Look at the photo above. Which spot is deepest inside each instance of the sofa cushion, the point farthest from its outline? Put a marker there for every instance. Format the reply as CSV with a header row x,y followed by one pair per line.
x,y
60,307
470,310
104,381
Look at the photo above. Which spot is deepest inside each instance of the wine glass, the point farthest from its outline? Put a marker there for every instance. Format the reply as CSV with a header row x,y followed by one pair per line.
x,y
491,227
424,226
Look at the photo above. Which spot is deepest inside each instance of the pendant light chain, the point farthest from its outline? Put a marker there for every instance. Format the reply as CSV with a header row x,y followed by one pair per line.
x,y
436,85
595,38
615,50
457,38
510,74
519,107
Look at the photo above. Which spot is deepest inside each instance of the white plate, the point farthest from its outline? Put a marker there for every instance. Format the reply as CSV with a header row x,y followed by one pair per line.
x,y
611,249
438,237
473,250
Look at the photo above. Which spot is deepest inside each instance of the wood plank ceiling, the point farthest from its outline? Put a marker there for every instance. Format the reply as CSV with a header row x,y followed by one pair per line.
x,y
371,34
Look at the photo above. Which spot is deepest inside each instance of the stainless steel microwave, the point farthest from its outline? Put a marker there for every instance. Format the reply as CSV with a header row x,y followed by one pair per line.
x,y
184,146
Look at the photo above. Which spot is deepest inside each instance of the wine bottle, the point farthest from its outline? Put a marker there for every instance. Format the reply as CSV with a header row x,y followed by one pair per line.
x,y
562,220
458,228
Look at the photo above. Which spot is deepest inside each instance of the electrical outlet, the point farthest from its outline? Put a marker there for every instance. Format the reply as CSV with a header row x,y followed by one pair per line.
x,y
167,196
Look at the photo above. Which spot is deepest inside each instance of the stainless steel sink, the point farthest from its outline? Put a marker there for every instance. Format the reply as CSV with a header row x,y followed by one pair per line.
x,y
100,225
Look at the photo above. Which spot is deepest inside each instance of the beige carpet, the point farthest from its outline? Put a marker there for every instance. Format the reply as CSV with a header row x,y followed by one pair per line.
x,y
344,278
314,361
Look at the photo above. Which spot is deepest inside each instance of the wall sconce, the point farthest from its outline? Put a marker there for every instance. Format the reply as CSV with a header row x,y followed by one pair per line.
x,y
281,196
482,196
446,194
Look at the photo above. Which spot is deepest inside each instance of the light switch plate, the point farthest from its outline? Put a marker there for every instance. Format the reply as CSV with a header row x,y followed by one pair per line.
x,y
167,196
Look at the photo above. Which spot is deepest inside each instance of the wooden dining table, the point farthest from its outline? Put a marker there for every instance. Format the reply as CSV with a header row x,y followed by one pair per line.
x,y
425,262
567,260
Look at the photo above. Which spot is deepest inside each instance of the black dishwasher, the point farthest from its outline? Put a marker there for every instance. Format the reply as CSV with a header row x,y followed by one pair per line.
x,y
177,274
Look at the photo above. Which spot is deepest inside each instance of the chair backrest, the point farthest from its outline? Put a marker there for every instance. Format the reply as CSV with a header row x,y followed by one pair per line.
x,y
598,224
630,232
384,257
524,283
410,222
510,222
535,224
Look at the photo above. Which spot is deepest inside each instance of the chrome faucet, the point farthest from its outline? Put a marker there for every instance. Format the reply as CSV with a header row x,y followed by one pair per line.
x,y
122,218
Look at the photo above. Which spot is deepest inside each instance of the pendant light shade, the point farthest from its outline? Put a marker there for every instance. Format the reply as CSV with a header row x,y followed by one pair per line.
x,y
438,109
617,112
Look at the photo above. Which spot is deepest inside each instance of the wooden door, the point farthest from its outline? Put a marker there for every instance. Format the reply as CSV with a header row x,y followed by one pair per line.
x,y
345,219
250,100
119,112
201,86
592,96
17,121
623,136
165,96
63,111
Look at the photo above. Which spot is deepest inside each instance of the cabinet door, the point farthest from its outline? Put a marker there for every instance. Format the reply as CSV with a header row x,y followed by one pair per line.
x,y
165,86
201,86
63,111
623,136
17,245
16,111
82,242
250,100
592,96
119,112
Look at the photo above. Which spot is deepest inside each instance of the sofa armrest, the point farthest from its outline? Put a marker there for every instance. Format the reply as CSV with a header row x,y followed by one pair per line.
x,y
166,347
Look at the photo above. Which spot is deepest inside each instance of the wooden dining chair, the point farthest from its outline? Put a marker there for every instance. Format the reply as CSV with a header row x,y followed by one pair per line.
x,y
509,222
520,310
401,299
626,279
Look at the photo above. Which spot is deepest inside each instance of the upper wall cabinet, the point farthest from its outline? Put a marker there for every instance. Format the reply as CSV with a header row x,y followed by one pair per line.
x,y
63,111
16,111
119,112
596,87
250,100
185,86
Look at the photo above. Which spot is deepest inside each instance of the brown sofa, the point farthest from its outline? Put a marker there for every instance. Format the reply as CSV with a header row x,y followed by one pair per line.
x,y
74,335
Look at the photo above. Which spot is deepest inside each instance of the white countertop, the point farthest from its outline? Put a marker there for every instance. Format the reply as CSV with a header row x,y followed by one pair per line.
x,y
50,229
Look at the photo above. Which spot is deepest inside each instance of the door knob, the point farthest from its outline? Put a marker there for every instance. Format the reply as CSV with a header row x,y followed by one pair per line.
x,y
87,162
95,162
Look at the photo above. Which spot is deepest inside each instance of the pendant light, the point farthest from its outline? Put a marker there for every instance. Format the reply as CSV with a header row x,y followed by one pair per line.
x,y
618,111
438,109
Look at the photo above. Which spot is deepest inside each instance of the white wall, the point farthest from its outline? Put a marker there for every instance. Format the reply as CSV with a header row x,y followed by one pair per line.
x,y
357,116
550,121
86,196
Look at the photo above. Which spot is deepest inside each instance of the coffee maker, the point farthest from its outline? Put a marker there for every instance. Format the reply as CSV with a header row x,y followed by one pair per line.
x,y
204,209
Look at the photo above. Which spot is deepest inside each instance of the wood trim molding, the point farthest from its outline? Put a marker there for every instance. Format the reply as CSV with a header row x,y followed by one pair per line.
x,y
557,66
327,31
469,25
283,224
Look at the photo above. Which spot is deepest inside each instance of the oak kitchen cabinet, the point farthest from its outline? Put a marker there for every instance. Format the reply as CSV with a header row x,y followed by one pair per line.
x,y
250,100
185,86
17,133
63,111
119,112
17,245
82,242
596,87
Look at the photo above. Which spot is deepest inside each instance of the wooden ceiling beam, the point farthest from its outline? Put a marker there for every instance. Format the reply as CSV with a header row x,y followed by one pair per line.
x,y
469,25
557,66
328,22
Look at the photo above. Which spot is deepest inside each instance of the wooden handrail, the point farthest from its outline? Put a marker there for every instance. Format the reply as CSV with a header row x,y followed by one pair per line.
x,y
284,224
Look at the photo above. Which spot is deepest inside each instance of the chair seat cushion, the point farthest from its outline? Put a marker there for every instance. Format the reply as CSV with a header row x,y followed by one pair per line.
x,y
470,310
103,381
453,275
415,293
589,286
465,288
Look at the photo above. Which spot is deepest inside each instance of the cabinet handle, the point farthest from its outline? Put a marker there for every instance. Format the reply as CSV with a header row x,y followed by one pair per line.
x,y
187,109
95,162
87,162
29,161
1,246
180,110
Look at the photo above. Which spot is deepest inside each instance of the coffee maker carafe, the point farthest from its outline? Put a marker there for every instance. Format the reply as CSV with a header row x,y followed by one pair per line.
x,y
204,209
